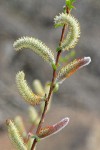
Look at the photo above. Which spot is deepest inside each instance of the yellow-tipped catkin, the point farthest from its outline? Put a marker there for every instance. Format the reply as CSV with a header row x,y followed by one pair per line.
x,y
20,126
71,68
25,90
37,46
33,115
38,87
14,136
74,30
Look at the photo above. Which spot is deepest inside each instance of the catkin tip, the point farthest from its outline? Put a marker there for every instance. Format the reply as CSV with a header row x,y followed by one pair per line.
x,y
88,60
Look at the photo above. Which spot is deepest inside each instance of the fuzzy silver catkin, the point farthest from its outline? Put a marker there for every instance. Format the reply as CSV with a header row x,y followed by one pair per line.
x,y
71,68
25,91
37,46
73,33
51,130
14,136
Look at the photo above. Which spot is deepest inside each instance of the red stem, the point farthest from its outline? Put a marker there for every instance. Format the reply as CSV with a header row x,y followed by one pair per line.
x,y
51,88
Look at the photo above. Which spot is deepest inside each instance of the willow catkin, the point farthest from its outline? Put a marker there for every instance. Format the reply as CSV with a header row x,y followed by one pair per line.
x,y
15,136
73,33
36,46
25,90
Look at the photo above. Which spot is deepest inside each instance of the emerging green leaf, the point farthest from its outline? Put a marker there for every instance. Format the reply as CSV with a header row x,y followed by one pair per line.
x,y
36,137
58,49
69,3
54,67
56,87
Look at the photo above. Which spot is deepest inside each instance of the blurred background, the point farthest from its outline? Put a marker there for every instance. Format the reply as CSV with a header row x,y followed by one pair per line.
x,y
78,97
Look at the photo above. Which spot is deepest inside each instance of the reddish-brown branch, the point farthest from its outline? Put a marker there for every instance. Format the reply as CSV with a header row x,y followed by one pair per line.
x,y
47,101
51,88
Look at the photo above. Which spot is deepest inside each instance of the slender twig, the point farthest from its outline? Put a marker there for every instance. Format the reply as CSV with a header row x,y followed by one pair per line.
x,y
51,87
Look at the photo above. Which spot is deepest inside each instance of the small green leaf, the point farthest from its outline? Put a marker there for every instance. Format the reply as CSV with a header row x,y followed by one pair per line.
x,y
54,67
36,137
71,7
58,25
56,87
69,3
58,49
